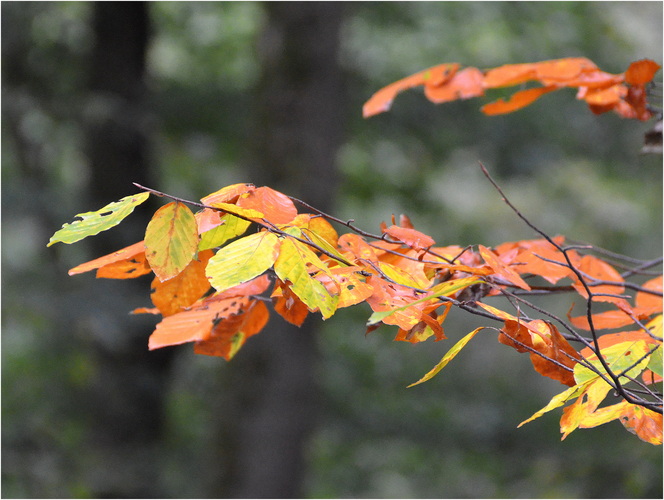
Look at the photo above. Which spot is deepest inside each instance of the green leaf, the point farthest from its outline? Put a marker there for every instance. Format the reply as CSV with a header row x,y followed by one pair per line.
x,y
92,223
655,363
243,260
446,288
448,357
171,240
215,237
291,267
619,357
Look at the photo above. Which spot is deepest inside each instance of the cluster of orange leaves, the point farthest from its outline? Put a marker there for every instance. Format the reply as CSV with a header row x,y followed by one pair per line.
x,y
405,278
624,93
214,275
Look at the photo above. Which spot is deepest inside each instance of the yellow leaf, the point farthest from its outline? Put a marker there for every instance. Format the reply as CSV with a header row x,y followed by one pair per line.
x,y
292,268
556,401
448,357
171,240
242,260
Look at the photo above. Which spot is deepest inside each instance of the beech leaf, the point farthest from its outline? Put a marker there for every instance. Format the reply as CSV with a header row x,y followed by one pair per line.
x,y
292,267
449,356
243,260
171,240
92,223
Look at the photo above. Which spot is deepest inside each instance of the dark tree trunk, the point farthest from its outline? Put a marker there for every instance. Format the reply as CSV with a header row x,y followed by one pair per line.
x,y
268,407
125,400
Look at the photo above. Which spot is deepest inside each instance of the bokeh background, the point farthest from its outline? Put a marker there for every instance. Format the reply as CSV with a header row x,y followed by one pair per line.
x,y
188,97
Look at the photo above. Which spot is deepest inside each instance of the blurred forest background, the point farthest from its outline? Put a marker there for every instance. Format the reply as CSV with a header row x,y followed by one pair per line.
x,y
187,97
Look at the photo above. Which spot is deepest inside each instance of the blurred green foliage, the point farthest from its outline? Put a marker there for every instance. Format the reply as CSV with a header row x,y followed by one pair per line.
x,y
569,171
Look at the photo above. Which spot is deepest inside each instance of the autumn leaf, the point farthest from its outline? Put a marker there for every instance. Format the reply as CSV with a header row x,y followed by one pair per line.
x,y
229,228
292,268
288,305
596,269
464,84
120,255
132,267
579,412
173,295
554,357
229,335
171,240
228,194
501,269
275,206
92,223
517,101
641,72
382,100
243,260
397,305
410,237
196,323
449,356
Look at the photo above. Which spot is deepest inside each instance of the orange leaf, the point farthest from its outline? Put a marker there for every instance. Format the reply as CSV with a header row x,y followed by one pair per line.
x,y
544,338
532,253
208,219
130,268
196,323
641,72
173,295
228,194
120,255
382,100
229,335
603,98
288,305
508,75
275,206
354,247
410,237
518,100
563,70
255,286
388,296
645,423
647,300
597,269
465,84
501,269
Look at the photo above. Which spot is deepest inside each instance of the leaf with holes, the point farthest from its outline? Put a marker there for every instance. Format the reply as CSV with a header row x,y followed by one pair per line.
x,y
92,223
